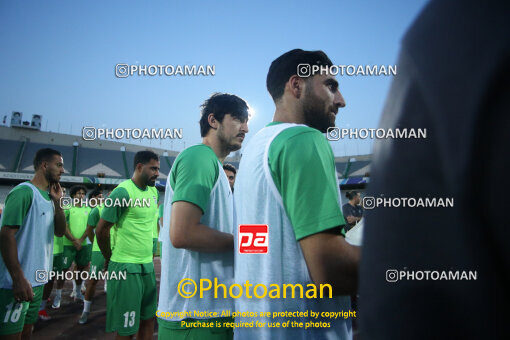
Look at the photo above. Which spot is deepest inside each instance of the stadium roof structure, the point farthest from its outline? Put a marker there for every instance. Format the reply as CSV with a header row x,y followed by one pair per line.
x,y
353,170
108,162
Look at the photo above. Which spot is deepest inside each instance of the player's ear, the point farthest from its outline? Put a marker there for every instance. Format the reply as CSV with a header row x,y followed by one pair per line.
x,y
295,86
212,121
43,166
139,167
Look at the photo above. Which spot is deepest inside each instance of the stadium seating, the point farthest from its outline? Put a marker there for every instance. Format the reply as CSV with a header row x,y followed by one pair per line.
x,y
106,162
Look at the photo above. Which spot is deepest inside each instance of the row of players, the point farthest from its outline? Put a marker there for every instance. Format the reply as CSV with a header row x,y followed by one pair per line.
x,y
298,198
79,246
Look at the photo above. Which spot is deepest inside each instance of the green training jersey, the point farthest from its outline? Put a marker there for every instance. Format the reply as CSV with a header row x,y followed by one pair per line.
x,y
310,207
198,170
17,204
76,219
134,217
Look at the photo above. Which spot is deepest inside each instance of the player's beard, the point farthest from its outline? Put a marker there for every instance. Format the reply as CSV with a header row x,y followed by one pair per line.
x,y
150,182
226,142
315,113
50,177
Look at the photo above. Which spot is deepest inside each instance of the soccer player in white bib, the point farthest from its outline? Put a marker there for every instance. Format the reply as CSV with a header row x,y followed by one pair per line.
x,y
31,217
287,181
198,221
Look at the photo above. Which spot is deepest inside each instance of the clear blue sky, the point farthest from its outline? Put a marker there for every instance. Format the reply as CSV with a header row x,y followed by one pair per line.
x,y
57,58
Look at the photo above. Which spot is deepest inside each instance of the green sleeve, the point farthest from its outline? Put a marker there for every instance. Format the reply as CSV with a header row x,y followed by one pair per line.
x,y
193,176
302,165
161,209
17,204
93,218
112,214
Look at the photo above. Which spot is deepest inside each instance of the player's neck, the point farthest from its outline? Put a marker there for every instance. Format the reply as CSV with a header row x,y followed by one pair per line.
x,y
215,144
288,114
139,183
40,181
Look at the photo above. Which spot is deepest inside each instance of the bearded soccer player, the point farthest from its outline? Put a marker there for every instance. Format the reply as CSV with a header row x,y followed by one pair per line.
x,y
198,221
131,303
76,247
31,217
287,181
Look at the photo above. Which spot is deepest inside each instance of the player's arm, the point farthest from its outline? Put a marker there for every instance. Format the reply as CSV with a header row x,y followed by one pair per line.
x,y
159,217
330,259
76,243
84,236
90,233
68,234
21,288
193,177
16,208
108,218
70,237
187,232
103,238
59,220
160,224
305,174
92,221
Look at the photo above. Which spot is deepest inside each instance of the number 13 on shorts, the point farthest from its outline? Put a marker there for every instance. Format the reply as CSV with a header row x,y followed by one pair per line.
x,y
129,319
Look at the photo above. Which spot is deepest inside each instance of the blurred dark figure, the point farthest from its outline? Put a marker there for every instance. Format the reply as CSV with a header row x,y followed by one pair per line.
x,y
352,210
454,80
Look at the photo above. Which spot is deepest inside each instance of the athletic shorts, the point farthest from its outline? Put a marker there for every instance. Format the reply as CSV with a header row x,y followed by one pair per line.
x,y
173,330
81,257
58,262
14,315
131,300
96,263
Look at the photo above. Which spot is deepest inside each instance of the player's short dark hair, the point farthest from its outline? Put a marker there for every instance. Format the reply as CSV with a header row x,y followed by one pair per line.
x,y
285,66
145,157
351,194
229,167
44,155
75,189
95,193
221,104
